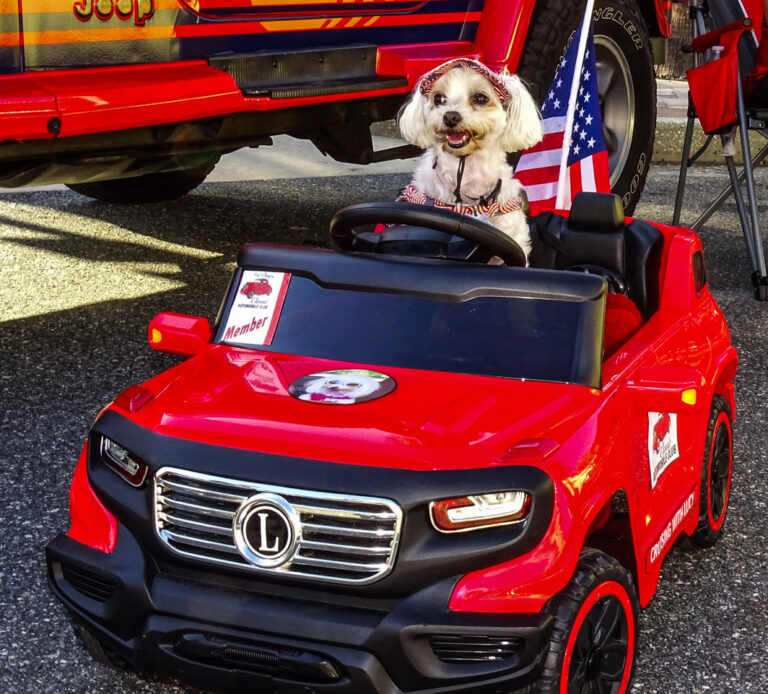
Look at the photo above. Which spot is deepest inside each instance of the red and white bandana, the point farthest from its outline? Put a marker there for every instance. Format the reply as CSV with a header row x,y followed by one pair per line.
x,y
412,194
427,81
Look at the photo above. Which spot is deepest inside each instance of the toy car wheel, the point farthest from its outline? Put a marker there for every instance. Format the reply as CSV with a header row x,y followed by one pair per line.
x,y
716,469
99,652
625,78
593,644
153,187
251,294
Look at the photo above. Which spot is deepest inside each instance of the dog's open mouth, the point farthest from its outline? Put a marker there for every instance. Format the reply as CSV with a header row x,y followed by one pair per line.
x,y
456,139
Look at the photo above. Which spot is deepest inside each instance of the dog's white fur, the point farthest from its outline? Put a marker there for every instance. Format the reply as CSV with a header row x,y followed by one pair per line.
x,y
494,131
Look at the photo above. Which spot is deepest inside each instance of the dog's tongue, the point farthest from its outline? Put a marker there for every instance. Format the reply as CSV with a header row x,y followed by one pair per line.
x,y
456,138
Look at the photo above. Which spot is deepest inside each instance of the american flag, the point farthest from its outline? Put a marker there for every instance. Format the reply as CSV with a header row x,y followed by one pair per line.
x,y
587,163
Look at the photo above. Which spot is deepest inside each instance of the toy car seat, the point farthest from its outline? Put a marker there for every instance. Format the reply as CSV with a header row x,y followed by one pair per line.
x,y
595,237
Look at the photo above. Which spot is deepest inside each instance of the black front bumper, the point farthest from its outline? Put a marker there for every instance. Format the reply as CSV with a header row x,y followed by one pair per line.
x,y
230,634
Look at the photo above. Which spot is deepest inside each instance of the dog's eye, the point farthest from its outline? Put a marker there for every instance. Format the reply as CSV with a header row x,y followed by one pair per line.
x,y
480,99
439,99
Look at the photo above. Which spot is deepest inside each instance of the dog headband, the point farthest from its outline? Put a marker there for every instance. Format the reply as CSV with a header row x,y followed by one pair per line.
x,y
428,80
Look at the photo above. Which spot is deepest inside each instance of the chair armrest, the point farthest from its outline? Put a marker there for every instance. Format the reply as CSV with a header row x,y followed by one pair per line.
x,y
714,38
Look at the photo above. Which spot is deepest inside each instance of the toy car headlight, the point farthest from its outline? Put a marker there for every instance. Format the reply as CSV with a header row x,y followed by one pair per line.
x,y
125,464
480,511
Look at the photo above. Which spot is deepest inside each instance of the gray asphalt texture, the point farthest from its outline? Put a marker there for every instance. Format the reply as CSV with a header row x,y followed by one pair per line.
x,y
79,281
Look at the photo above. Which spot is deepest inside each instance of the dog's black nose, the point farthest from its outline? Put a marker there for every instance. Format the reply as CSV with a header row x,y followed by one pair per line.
x,y
451,118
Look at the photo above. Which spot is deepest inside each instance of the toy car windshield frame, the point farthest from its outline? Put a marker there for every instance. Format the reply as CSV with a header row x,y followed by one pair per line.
x,y
432,315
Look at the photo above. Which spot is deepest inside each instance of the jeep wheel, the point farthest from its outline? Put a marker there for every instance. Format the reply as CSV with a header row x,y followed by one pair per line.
x,y
153,187
625,78
593,643
716,469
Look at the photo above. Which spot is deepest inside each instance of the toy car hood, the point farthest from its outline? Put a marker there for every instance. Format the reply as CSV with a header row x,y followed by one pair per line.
x,y
240,398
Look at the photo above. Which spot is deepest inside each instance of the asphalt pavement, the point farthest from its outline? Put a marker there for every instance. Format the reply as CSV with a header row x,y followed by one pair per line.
x,y
80,280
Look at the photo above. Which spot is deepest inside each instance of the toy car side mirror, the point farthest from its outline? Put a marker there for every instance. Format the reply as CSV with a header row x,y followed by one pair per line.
x,y
177,333
667,389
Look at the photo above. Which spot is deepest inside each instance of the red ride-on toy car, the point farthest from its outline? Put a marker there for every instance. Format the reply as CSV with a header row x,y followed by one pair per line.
x,y
405,471
259,287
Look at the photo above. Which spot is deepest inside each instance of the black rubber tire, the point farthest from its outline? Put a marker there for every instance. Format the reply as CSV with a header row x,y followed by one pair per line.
x,y
99,652
154,187
716,472
600,587
620,30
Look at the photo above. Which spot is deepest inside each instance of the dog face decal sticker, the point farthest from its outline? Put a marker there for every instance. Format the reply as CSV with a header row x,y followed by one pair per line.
x,y
663,447
342,387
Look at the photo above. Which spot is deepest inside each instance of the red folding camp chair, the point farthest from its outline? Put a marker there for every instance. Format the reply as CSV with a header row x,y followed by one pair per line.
x,y
726,36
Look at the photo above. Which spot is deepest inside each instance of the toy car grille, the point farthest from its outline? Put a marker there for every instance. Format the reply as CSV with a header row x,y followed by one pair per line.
x,y
341,538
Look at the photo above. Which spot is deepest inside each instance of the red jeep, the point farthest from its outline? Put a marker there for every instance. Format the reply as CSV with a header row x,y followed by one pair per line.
x,y
136,100
412,474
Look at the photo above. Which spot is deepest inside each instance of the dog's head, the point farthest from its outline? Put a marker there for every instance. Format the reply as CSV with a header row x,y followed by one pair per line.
x,y
463,106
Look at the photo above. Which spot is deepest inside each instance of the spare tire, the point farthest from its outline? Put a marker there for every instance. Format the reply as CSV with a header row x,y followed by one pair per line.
x,y
153,187
626,80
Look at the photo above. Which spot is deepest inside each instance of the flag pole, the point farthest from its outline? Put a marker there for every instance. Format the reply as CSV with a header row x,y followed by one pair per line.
x,y
585,26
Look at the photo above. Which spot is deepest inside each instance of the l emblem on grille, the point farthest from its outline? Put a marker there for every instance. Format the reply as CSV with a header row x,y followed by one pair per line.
x,y
266,530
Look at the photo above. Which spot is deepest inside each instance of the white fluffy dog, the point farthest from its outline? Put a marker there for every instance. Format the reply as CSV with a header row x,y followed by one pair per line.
x,y
468,118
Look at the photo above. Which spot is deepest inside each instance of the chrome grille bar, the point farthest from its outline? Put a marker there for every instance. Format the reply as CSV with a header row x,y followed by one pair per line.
x,y
342,539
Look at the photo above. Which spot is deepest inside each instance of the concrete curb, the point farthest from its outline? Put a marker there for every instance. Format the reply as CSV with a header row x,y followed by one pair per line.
x,y
668,146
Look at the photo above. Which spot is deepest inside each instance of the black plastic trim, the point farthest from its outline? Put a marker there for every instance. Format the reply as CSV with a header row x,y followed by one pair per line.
x,y
441,279
424,555
320,646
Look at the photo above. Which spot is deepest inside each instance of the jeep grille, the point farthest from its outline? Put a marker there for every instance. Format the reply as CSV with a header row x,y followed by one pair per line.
x,y
343,539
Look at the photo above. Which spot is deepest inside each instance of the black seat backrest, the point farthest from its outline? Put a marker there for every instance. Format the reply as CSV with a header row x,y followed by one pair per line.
x,y
595,233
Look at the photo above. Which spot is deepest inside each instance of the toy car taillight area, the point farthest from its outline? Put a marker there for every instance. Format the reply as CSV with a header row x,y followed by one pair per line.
x,y
405,469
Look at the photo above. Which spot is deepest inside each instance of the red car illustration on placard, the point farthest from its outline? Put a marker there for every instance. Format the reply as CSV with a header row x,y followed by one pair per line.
x,y
259,287
455,512
660,430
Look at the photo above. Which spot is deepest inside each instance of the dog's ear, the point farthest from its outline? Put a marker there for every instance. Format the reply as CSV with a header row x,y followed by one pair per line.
x,y
523,127
412,120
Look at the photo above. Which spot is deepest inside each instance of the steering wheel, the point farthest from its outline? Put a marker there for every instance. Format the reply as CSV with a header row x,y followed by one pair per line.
x,y
491,239
616,283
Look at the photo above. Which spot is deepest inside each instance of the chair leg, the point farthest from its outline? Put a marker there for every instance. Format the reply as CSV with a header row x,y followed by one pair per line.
x,y
725,192
683,171
759,279
741,210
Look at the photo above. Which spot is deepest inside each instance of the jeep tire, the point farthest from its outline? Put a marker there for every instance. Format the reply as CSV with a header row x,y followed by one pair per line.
x,y
594,639
154,187
625,76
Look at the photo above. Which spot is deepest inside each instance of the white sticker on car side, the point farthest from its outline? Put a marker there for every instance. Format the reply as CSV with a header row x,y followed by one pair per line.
x,y
253,318
663,448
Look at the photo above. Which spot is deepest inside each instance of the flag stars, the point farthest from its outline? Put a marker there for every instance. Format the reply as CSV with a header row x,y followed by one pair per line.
x,y
576,149
583,134
586,98
581,114
588,120
550,96
587,75
556,103
559,83
591,142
